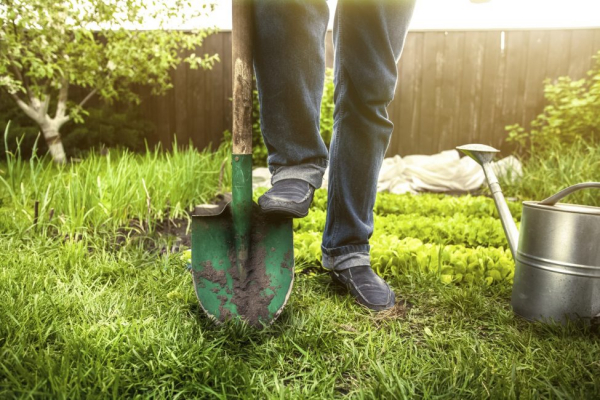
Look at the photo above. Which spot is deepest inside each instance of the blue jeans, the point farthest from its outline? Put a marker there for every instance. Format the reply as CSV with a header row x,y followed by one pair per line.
x,y
289,60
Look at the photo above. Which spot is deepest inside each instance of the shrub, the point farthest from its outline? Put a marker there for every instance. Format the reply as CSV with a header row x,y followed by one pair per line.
x,y
572,113
259,149
562,146
327,105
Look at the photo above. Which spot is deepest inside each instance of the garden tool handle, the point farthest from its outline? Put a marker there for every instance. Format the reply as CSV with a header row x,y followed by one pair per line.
x,y
552,200
242,34
241,163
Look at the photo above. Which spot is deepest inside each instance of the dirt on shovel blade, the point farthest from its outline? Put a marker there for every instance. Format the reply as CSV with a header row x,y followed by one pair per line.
x,y
252,295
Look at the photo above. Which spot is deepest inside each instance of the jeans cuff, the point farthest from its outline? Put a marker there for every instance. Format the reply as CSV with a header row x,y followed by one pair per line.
x,y
311,173
342,258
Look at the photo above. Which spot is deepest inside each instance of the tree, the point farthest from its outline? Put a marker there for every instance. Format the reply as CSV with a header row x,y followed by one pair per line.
x,y
103,46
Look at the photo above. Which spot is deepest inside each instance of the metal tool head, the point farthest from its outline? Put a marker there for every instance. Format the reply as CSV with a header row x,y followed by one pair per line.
x,y
479,152
260,293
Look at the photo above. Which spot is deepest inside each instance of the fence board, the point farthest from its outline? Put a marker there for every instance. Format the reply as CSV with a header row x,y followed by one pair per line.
x,y
329,49
431,78
448,86
407,103
491,86
471,87
454,87
201,81
227,82
537,58
582,45
517,44
181,105
559,54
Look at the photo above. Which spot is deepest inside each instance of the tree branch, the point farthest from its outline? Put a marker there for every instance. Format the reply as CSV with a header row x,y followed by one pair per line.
x,y
27,109
63,95
46,102
88,97
19,75
14,66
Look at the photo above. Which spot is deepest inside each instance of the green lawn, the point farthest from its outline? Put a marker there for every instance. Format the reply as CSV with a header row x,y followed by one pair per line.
x,y
86,316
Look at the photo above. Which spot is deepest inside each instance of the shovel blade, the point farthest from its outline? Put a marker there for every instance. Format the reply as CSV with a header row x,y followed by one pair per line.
x,y
259,297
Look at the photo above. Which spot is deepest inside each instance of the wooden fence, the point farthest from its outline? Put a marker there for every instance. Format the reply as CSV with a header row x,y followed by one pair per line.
x,y
454,87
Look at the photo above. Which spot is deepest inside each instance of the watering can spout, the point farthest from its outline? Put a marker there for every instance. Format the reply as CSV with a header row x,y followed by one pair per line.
x,y
483,155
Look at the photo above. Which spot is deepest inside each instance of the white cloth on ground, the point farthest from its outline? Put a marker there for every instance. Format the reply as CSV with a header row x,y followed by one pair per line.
x,y
442,172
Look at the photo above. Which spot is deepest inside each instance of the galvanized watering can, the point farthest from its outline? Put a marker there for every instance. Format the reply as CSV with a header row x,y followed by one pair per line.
x,y
557,252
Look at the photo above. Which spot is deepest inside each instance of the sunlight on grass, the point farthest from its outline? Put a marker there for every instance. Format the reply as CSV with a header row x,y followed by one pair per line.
x,y
83,317
104,192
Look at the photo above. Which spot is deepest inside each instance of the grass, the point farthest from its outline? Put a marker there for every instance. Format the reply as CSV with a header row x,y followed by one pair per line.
x,y
551,170
126,323
102,193
82,318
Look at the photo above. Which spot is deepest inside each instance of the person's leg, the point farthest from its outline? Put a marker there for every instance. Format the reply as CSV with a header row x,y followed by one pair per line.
x,y
369,36
289,60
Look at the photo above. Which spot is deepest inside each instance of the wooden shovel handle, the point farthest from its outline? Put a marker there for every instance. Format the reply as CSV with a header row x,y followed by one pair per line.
x,y
242,33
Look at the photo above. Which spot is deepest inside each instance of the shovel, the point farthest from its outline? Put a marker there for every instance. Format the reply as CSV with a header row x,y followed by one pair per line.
x,y
242,260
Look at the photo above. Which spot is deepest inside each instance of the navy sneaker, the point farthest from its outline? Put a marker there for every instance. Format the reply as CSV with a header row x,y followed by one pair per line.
x,y
366,287
288,198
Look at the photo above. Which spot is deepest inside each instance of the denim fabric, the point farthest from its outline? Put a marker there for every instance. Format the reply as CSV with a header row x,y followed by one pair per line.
x,y
289,62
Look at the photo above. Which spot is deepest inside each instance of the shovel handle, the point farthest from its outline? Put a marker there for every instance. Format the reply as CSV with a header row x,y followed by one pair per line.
x,y
552,200
242,33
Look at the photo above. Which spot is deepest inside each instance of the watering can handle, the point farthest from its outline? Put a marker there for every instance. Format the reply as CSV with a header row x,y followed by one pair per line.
x,y
552,200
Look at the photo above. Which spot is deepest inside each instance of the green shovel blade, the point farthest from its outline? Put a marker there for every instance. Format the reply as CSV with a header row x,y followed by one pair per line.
x,y
223,293
242,260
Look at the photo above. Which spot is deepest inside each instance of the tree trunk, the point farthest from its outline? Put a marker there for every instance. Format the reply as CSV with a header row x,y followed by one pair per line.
x,y
54,142
38,111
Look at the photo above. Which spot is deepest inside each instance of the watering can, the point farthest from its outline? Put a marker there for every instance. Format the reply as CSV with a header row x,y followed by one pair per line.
x,y
556,253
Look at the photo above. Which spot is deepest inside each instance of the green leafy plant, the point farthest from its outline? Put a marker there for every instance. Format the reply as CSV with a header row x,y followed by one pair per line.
x,y
48,46
459,239
393,256
461,228
572,113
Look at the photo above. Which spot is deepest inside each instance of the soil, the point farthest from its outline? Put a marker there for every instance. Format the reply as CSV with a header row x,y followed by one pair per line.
x,y
175,230
166,235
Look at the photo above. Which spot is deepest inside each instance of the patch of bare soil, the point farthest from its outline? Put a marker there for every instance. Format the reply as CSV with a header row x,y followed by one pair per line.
x,y
166,235
400,310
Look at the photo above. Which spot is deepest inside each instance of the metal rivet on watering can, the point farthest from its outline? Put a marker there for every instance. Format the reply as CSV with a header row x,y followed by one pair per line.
x,y
237,158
